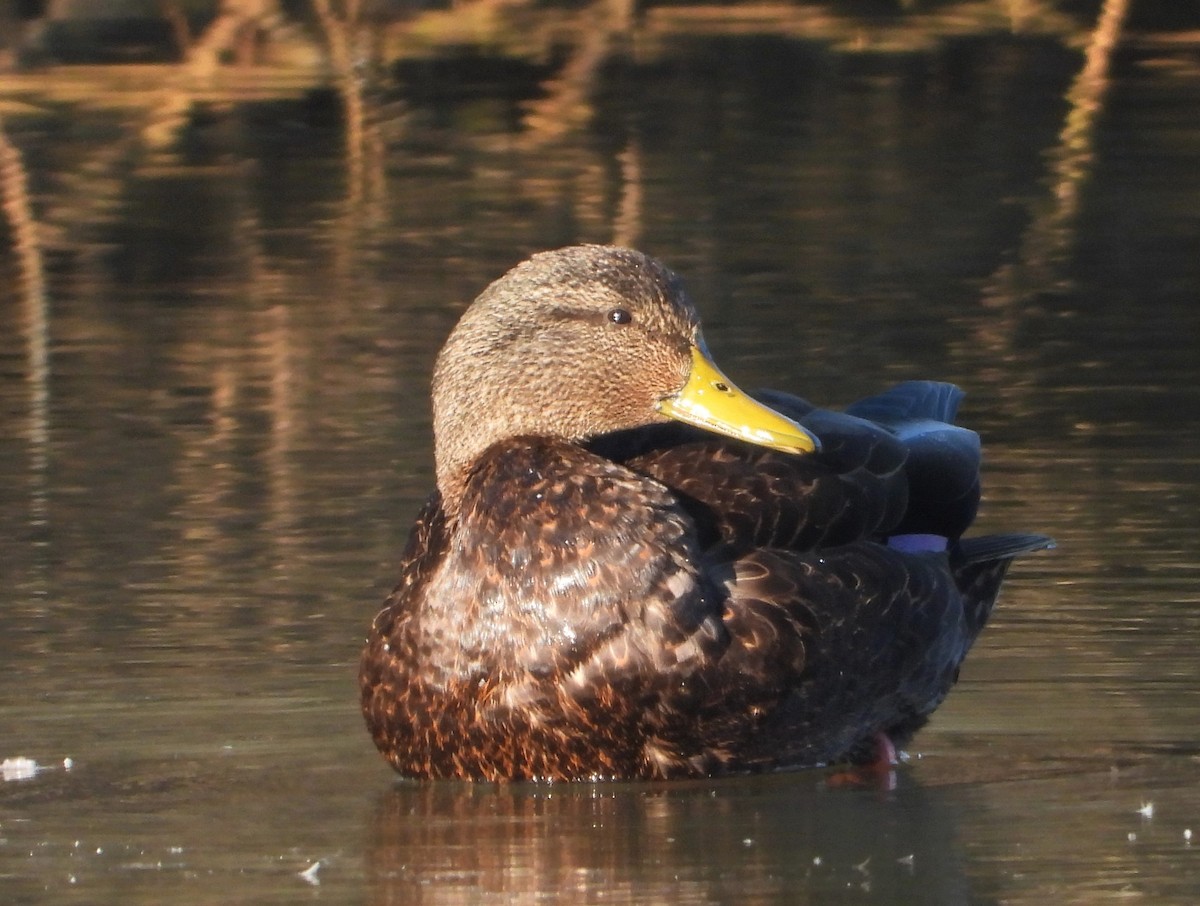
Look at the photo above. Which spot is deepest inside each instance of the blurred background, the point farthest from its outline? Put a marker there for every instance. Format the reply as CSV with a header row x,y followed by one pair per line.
x,y
234,236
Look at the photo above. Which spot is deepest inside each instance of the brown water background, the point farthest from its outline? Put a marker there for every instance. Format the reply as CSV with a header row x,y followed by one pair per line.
x,y
214,433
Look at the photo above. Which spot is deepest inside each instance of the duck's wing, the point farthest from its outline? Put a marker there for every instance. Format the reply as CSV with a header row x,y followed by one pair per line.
x,y
827,650
747,497
879,635
893,464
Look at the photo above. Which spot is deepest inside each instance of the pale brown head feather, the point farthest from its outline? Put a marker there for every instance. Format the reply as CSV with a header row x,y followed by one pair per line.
x,y
540,354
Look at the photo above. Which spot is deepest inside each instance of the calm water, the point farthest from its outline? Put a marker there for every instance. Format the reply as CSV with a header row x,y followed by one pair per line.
x,y
215,434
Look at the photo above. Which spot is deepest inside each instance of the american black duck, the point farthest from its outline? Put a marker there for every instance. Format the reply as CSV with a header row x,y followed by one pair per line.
x,y
597,590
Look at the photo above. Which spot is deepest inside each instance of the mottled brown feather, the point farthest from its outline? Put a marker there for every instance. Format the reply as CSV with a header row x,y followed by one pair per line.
x,y
587,598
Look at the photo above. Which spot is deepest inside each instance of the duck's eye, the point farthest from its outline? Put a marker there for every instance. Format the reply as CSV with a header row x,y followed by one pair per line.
x,y
620,316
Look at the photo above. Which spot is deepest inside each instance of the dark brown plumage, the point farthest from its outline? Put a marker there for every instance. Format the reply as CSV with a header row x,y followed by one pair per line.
x,y
597,592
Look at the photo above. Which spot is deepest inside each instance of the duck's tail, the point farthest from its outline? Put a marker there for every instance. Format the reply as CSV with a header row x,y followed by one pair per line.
x,y
980,564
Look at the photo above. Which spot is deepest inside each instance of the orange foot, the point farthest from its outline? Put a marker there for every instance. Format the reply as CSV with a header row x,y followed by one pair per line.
x,y
879,773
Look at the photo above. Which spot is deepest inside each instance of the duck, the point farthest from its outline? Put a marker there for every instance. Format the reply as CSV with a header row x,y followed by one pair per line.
x,y
630,569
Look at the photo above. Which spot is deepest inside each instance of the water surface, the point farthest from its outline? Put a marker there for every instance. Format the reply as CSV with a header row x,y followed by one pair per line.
x,y
216,432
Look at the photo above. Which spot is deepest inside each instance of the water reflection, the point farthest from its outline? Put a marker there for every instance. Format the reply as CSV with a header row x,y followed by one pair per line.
x,y
1051,230
766,840
34,319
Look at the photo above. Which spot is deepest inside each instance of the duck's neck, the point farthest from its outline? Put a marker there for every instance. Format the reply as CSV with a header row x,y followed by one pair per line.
x,y
463,435
468,479
463,428
451,486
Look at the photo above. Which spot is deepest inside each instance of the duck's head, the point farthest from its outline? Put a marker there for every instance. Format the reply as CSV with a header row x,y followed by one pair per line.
x,y
579,342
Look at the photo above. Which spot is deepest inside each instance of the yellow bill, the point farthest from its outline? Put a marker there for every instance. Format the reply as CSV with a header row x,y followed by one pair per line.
x,y
711,401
